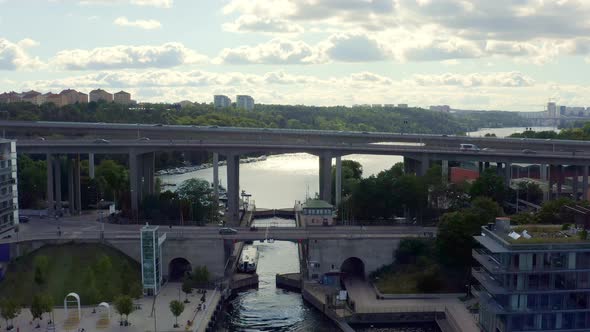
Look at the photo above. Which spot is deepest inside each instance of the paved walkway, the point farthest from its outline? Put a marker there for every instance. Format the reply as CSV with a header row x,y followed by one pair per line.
x,y
141,320
366,301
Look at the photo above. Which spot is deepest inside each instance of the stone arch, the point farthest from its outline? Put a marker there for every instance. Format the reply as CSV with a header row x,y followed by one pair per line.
x,y
353,267
178,268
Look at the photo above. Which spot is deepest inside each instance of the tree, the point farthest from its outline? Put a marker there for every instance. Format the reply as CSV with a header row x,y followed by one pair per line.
x,y
90,292
199,196
112,178
41,264
200,275
47,303
176,307
103,269
37,307
135,291
187,287
410,250
486,208
455,237
124,306
9,309
489,184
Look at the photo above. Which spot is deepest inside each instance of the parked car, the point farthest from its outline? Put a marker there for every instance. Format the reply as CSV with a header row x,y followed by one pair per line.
x,y
528,151
143,139
468,147
23,219
101,141
253,228
227,231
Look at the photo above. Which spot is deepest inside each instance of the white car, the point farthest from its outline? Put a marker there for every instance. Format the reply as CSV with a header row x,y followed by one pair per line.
x,y
468,147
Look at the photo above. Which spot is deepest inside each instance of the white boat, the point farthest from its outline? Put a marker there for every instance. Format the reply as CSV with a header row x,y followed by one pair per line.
x,y
248,260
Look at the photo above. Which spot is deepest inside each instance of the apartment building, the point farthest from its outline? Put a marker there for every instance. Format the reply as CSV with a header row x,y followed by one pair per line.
x,y
245,102
221,101
100,94
72,96
8,188
535,279
122,97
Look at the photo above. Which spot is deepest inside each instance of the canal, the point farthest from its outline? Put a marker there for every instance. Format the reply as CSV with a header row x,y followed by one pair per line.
x,y
277,183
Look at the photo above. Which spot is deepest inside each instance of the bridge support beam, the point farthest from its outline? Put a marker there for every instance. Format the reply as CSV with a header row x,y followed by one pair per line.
x,y
91,165
71,196
216,175
338,181
50,203
147,183
133,183
233,188
552,179
585,182
424,165
326,177
445,171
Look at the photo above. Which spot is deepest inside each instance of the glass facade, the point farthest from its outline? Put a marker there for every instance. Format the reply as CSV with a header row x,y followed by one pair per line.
x,y
151,260
8,186
532,287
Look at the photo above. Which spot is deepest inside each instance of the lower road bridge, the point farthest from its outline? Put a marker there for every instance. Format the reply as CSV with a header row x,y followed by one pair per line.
x,y
326,249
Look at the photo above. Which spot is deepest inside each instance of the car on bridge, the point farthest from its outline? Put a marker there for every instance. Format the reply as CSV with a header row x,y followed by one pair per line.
x,y
101,141
528,151
468,147
227,231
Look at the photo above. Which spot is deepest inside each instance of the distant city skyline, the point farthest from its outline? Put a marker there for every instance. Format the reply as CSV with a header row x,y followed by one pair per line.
x,y
507,55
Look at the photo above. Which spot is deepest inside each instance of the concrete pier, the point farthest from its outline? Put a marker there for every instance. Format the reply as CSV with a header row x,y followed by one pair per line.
x,y
91,165
216,175
50,203
325,171
289,281
233,189
338,193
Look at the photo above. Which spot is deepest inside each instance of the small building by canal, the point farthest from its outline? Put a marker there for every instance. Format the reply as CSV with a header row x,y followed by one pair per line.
x,y
318,213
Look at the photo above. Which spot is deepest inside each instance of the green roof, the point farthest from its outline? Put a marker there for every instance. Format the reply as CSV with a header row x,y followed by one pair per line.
x,y
317,204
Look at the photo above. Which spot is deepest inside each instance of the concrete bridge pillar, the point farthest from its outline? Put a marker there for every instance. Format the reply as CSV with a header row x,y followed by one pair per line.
x,y
408,165
91,165
552,179
507,173
216,175
575,183
499,168
560,179
147,165
480,166
71,196
486,165
77,185
326,177
424,165
338,181
50,203
233,188
133,182
445,170
585,182
57,170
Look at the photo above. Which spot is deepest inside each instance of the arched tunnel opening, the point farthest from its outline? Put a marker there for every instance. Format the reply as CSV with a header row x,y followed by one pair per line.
x,y
353,267
178,268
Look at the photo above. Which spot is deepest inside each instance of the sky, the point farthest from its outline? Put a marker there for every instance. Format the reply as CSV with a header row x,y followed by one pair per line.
x,y
469,54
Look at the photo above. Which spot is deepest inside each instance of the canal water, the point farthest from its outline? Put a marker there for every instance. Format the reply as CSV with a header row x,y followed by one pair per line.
x,y
277,183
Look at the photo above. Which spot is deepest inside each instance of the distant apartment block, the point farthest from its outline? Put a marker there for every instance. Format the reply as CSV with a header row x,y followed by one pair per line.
x,y
72,97
57,99
245,102
122,97
100,94
8,188
532,280
402,105
441,108
221,101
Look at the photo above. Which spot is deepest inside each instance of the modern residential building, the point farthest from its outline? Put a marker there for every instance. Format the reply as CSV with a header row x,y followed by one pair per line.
x,y
10,97
100,94
151,259
245,102
317,213
402,105
535,279
552,110
221,101
8,187
122,97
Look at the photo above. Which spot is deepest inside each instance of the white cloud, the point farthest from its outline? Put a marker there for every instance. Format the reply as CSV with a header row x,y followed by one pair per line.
x,y
14,56
251,23
122,56
501,79
150,3
142,24
275,51
355,48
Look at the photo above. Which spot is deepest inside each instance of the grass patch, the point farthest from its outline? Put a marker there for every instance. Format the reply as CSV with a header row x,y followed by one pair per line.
x,y
96,272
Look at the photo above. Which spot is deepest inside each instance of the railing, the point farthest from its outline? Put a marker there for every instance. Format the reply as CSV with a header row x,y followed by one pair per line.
x,y
451,319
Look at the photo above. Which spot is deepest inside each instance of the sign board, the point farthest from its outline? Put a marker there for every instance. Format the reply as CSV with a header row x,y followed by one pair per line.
x,y
111,208
343,295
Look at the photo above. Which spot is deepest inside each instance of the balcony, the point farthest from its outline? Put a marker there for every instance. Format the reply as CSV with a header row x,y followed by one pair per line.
x,y
9,208
7,182
487,261
488,282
